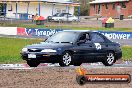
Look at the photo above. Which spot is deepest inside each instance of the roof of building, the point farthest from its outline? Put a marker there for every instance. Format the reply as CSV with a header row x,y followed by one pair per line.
x,y
52,1
106,1
38,0
58,1
68,2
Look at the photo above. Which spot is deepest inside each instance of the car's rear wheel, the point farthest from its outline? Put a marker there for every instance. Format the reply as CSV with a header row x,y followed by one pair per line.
x,y
110,59
74,20
66,59
33,63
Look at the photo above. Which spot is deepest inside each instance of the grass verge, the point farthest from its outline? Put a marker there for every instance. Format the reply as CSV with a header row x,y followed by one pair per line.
x,y
127,52
70,26
10,49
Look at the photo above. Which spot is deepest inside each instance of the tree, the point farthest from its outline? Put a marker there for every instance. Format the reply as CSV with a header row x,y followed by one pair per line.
x,y
85,7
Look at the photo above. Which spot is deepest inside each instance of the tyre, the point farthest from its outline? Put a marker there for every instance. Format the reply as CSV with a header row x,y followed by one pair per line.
x,y
60,21
33,63
81,80
77,64
74,20
66,59
110,59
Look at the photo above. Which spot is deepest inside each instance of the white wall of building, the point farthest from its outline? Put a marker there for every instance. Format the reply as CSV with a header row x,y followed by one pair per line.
x,y
45,9
10,10
21,8
33,8
71,10
63,8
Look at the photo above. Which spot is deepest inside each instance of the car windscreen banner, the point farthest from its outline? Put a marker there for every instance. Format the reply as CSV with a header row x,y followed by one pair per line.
x,y
49,32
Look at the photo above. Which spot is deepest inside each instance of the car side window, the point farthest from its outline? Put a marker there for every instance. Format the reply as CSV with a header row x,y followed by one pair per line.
x,y
96,38
70,15
84,38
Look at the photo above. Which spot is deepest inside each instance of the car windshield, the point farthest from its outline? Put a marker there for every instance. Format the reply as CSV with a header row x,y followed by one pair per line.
x,y
63,37
64,14
57,14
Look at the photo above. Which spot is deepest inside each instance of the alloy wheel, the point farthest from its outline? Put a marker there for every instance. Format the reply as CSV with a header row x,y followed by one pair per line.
x,y
67,59
110,58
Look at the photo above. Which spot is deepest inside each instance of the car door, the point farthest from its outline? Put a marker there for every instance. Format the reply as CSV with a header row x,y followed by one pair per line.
x,y
85,48
67,17
100,45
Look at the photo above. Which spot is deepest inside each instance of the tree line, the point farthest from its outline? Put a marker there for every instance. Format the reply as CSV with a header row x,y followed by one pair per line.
x,y
84,7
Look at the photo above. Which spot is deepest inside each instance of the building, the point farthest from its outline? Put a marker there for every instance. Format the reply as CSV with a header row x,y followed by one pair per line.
x,y
25,9
111,8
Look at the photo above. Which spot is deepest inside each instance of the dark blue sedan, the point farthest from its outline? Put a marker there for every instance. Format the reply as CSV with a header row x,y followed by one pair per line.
x,y
73,48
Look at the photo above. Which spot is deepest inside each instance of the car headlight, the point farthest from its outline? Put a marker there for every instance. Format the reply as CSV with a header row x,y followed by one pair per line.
x,y
24,50
49,51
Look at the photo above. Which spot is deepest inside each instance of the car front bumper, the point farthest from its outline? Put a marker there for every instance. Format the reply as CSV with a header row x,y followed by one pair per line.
x,y
47,57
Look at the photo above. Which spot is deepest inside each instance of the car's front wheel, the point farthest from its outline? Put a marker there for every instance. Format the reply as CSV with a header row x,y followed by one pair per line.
x,y
33,63
110,59
66,59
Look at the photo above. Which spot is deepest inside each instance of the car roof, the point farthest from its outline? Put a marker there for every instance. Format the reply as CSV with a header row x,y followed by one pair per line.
x,y
81,31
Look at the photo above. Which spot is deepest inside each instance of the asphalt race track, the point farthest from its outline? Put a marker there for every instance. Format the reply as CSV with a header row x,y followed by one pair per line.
x,y
85,65
127,42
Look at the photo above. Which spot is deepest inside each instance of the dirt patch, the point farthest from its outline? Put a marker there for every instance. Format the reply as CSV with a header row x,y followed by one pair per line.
x,y
56,77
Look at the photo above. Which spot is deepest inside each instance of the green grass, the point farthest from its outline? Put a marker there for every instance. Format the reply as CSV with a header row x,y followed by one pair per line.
x,y
76,27
10,49
127,52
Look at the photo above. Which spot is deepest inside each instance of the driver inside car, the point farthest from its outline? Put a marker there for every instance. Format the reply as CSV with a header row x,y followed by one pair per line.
x,y
85,38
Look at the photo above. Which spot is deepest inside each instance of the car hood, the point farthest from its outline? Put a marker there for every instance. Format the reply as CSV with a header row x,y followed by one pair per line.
x,y
45,45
